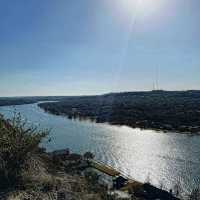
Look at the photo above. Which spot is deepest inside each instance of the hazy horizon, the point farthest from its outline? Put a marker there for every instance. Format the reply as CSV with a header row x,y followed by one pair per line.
x,y
88,47
97,94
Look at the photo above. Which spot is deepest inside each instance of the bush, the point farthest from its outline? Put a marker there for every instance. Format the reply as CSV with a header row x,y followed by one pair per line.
x,y
88,156
195,194
18,142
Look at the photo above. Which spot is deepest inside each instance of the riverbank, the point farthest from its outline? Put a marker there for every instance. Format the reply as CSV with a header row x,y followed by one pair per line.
x,y
174,111
156,110
13,101
66,176
53,180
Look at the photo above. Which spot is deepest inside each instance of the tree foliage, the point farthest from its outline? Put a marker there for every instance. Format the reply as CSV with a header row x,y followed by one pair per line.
x,y
195,194
18,142
164,110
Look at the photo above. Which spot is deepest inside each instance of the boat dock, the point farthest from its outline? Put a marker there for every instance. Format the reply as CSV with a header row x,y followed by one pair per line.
x,y
123,183
110,171
104,168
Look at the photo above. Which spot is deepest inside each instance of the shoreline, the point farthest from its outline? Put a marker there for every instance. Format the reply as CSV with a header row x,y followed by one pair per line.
x,y
157,129
80,118
166,111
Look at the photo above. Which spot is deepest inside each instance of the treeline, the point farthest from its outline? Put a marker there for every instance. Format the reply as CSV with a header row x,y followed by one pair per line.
x,y
9,101
164,110
15,101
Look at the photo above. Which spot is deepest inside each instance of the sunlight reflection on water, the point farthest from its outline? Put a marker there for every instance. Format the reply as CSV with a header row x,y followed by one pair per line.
x,y
163,157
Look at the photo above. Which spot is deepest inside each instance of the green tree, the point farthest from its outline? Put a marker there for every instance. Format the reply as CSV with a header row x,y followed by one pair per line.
x,y
18,142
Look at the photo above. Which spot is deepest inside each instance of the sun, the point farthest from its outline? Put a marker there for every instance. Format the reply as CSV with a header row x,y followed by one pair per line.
x,y
148,7
142,8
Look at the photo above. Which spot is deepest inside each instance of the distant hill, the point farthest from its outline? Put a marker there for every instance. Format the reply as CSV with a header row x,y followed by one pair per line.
x,y
164,110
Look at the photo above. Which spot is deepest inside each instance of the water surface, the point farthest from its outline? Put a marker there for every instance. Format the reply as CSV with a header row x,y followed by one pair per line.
x,y
162,158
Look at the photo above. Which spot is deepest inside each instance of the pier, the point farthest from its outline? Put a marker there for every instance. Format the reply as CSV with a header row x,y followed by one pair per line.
x,y
123,183
104,168
116,175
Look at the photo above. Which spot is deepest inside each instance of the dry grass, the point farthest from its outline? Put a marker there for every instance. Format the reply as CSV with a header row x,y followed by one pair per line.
x,y
39,183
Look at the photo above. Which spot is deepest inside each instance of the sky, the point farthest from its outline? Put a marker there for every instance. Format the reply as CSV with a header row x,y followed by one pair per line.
x,y
86,47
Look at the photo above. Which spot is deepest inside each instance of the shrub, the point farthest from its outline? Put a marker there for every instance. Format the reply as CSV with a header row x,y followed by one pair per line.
x,y
92,177
88,155
18,142
195,194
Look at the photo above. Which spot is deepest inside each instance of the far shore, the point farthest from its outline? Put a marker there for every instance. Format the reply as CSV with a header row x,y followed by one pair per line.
x,y
166,111
174,111
160,128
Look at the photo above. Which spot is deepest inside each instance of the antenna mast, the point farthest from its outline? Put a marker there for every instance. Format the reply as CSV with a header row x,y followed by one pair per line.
x,y
157,80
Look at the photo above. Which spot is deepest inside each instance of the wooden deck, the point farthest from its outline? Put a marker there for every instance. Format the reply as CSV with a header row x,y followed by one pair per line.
x,y
114,173
104,168
131,184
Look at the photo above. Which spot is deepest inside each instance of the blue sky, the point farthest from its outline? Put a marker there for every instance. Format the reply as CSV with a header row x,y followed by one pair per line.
x,y
69,47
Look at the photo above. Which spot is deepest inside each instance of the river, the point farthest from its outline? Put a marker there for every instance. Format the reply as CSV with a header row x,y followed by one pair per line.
x,y
161,158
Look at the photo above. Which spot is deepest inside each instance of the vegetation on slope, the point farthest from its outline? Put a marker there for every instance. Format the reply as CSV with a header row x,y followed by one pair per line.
x,y
173,111
18,143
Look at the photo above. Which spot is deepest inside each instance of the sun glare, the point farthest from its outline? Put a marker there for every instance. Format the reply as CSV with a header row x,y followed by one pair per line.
x,y
142,8
147,7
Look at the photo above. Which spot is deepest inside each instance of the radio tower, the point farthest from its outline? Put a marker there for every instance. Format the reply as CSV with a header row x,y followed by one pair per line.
x,y
156,80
